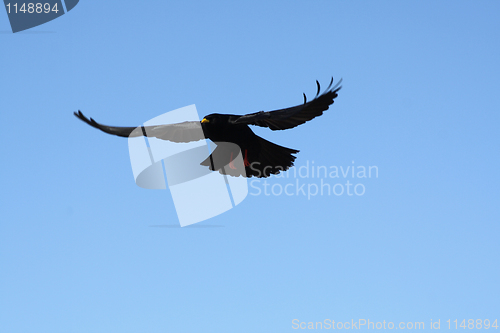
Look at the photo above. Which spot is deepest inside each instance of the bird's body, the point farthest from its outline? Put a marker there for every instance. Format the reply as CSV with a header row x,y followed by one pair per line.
x,y
261,157
221,128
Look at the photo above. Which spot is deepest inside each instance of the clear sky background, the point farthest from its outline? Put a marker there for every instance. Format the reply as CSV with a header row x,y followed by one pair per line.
x,y
80,245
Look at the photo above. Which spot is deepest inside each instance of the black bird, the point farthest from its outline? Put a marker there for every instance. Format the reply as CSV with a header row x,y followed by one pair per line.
x,y
261,157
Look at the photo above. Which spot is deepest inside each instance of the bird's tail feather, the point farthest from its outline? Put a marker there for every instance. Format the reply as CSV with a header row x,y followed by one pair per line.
x,y
271,160
261,159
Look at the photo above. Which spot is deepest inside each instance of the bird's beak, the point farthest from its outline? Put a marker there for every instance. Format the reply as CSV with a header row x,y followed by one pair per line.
x,y
205,120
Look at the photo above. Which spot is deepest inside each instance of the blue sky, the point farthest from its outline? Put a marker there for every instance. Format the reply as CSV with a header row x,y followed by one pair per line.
x,y
79,250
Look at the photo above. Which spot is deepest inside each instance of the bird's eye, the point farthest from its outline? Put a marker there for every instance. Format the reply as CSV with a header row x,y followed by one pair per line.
x,y
205,120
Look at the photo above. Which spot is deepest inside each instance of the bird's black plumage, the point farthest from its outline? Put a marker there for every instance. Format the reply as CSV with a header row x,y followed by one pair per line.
x,y
261,157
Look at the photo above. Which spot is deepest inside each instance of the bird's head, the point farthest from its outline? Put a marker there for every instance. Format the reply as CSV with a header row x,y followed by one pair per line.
x,y
208,119
215,119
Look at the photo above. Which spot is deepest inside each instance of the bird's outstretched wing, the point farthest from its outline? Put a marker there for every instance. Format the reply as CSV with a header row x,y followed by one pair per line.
x,y
187,131
296,115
